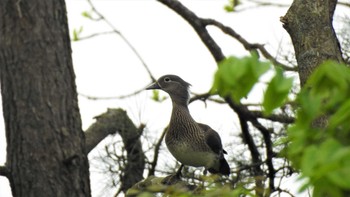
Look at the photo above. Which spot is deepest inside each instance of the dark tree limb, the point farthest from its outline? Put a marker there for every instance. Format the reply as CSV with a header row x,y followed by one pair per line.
x,y
247,45
248,139
198,26
281,118
117,121
4,171
269,153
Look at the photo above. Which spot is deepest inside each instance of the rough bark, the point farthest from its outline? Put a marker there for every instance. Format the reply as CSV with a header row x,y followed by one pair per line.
x,y
117,121
309,24
45,143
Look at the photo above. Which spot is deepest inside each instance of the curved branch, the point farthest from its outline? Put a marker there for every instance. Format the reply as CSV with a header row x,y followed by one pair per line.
x,y
110,122
4,171
198,26
248,46
111,97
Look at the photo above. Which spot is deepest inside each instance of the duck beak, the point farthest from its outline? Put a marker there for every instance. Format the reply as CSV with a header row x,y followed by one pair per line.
x,y
153,86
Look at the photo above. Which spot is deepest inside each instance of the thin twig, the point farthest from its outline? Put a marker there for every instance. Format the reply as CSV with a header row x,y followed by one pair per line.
x,y
111,97
156,153
94,35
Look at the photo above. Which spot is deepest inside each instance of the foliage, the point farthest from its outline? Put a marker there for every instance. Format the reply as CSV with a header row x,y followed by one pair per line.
x,y
76,33
235,77
231,5
156,96
277,91
322,153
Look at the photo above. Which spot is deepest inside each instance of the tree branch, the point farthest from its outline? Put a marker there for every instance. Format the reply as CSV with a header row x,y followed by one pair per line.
x,y
111,97
4,171
269,153
110,122
156,153
247,45
198,26
274,117
248,139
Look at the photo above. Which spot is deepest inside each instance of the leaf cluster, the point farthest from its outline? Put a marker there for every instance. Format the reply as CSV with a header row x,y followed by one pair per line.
x,y
320,137
236,77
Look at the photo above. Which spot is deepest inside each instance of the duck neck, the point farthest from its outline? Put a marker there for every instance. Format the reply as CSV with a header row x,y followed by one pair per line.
x,y
180,115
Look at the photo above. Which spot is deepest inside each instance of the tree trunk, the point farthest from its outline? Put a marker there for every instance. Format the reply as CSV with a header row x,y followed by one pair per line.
x,y
45,142
309,24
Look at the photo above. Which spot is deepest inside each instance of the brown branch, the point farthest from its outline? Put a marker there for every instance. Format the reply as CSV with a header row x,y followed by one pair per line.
x,y
110,122
198,26
247,45
4,171
111,97
269,152
344,4
248,139
257,114
274,117
156,154
94,35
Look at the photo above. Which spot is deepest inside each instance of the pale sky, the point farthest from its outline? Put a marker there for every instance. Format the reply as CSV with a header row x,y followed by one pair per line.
x,y
105,66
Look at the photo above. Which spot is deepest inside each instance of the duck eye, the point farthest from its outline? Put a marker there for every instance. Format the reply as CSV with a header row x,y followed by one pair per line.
x,y
167,79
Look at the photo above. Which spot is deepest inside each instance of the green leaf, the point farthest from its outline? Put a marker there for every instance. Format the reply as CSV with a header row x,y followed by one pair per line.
x,y
277,91
86,14
156,96
309,160
328,76
341,117
341,177
235,77
76,33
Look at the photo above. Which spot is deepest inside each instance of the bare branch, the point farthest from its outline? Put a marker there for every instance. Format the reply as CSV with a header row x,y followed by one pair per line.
x,y
116,120
156,154
257,114
274,117
269,152
248,139
248,46
94,35
4,171
198,26
112,97
346,4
